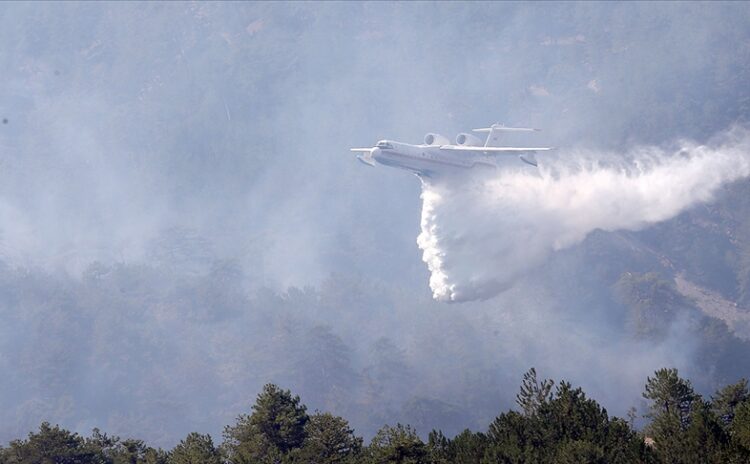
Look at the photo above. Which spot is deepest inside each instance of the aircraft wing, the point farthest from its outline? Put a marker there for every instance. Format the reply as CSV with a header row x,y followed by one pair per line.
x,y
525,154
493,149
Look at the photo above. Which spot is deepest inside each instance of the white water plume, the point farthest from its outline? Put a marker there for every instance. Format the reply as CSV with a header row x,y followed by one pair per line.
x,y
480,235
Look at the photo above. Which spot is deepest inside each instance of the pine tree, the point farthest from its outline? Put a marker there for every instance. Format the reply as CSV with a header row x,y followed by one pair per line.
x,y
467,447
728,398
328,440
672,399
275,427
533,393
438,448
397,445
51,444
705,438
741,428
670,394
195,449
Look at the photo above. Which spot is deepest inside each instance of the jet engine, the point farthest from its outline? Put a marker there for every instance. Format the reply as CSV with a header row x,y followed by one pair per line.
x,y
468,140
436,139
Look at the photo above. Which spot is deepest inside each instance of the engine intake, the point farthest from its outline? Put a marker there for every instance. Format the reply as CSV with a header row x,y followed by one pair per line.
x,y
468,140
436,139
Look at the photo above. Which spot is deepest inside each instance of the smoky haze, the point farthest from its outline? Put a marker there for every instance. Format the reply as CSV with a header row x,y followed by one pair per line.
x,y
181,220
480,234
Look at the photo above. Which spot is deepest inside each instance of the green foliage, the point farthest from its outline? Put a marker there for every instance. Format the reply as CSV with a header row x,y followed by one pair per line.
x,y
687,429
669,440
54,445
570,416
563,426
512,439
397,445
741,427
438,448
705,439
566,427
465,448
276,426
195,449
129,451
133,451
329,440
702,440
727,399
533,393
578,451
51,445
671,399
669,395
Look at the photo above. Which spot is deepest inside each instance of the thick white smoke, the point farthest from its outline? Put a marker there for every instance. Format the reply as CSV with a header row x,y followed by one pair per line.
x,y
480,235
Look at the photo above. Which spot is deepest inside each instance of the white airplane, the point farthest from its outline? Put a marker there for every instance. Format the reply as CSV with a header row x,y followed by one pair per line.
x,y
437,155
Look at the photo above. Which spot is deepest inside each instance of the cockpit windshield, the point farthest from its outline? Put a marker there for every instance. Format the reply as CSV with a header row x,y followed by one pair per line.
x,y
384,144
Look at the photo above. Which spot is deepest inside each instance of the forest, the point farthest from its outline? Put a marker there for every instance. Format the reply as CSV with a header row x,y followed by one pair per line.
x,y
554,422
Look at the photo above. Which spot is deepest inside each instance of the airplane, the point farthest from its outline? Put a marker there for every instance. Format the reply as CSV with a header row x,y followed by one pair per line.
x,y
437,155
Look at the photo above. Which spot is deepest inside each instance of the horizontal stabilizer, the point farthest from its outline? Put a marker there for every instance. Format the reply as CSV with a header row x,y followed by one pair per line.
x,y
363,150
506,129
494,133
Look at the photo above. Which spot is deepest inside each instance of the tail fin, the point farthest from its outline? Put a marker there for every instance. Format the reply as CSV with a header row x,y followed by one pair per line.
x,y
494,131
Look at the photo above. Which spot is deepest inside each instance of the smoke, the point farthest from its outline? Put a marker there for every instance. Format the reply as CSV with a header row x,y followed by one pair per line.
x,y
481,234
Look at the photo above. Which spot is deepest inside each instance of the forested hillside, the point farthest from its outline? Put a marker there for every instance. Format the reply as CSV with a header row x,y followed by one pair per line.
x,y
554,423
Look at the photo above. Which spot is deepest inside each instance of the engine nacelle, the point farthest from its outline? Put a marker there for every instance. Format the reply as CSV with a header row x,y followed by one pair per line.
x,y
468,140
436,139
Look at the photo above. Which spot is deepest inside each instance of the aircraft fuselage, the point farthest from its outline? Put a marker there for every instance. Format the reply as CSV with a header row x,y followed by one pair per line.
x,y
427,160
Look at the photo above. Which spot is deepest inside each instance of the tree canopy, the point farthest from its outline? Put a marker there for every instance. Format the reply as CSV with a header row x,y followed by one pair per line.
x,y
556,423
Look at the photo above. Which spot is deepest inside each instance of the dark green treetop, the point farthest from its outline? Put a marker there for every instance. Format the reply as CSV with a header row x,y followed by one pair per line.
x,y
669,394
328,440
728,398
533,393
51,445
275,427
195,449
397,445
